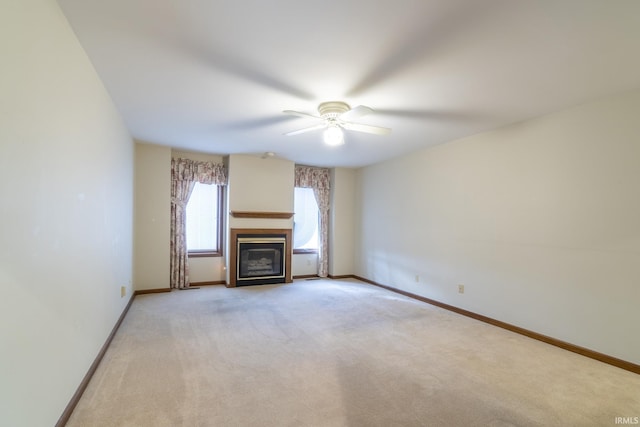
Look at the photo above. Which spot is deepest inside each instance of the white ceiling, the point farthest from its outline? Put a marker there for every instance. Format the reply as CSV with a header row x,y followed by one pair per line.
x,y
214,76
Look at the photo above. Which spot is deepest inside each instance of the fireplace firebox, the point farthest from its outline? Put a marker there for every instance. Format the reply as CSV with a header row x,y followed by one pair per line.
x,y
260,260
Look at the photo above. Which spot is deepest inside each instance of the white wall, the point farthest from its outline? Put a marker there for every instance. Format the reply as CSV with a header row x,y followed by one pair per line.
x,y
342,222
539,221
264,185
152,216
304,264
260,185
206,269
66,179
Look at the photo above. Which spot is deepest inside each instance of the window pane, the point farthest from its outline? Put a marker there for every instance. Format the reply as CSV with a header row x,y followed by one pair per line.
x,y
305,220
202,221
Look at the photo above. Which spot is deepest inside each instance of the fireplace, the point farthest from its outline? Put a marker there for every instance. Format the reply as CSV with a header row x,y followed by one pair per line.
x,y
259,256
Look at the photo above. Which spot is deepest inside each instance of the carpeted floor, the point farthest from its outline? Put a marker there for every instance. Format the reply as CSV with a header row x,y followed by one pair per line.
x,y
337,353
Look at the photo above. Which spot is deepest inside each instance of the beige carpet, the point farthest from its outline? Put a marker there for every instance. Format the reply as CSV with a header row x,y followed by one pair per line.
x,y
337,353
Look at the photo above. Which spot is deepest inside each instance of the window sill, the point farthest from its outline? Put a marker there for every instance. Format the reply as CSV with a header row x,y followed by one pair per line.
x,y
305,251
203,254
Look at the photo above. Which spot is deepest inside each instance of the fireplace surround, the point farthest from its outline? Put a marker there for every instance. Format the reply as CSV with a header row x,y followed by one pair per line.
x,y
259,256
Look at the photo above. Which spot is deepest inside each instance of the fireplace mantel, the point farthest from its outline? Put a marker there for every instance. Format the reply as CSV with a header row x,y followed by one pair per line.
x,y
233,249
266,215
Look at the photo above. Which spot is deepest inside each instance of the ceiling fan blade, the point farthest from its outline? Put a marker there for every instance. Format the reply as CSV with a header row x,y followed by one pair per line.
x,y
300,114
307,129
359,127
356,112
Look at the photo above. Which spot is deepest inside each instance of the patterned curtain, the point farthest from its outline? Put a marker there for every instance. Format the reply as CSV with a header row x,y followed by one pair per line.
x,y
318,179
184,175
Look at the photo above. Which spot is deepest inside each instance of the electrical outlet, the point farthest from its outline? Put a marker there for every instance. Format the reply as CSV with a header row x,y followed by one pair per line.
x,y
461,289
417,277
123,291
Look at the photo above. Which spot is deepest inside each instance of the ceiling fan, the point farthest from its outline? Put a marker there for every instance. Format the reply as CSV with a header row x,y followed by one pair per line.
x,y
335,116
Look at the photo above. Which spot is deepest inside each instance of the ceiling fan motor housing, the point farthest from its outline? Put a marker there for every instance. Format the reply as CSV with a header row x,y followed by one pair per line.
x,y
333,109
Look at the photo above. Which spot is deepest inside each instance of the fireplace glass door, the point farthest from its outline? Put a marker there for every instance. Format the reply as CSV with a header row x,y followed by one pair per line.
x,y
260,260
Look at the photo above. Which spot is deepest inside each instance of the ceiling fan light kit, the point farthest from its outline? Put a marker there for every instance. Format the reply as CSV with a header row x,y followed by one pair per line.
x,y
334,117
333,136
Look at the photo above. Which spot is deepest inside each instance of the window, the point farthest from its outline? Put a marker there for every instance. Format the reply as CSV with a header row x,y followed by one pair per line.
x,y
305,221
204,220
